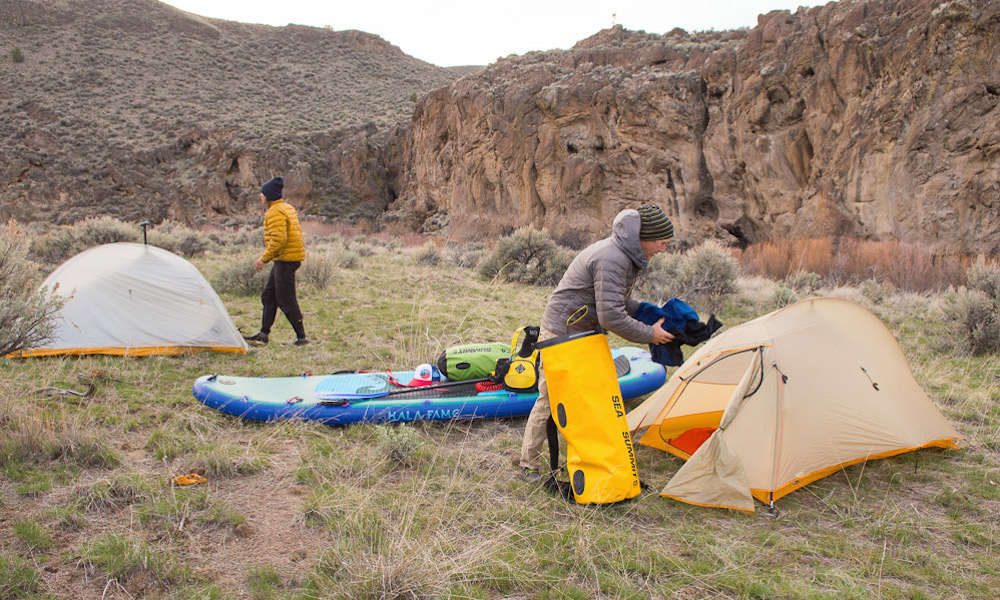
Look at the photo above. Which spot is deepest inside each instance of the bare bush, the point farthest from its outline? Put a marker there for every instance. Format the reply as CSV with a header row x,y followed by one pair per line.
x,y
26,315
848,260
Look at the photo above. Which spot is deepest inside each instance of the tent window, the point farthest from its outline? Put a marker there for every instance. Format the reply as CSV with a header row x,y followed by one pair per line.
x,y
727,369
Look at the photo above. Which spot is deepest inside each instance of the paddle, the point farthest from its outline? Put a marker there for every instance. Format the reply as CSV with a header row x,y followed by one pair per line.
x,y
345,398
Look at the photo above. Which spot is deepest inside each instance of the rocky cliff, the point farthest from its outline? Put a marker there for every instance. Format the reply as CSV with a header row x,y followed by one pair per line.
x,y
873,118
876,118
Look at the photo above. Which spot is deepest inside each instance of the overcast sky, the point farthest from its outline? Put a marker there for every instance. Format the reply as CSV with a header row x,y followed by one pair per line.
x,y
471,32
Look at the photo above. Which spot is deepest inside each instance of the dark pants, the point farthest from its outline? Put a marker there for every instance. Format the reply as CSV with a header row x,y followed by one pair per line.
x,y
280,293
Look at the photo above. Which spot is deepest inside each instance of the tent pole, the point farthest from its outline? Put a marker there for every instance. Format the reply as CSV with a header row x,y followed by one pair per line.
x,y
144,224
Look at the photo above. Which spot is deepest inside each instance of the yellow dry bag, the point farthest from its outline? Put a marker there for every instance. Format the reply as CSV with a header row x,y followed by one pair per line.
x,y
587,408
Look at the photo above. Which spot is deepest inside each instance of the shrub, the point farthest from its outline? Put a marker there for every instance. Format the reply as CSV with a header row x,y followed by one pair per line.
x,y
16,55
69,241
877,291
240,278
708,274
26,315
317,272
804,281
704,275
975,319
974,311
783,296
526,256
180,239
398,443
467,256
343,257
428,254
985,277
247,236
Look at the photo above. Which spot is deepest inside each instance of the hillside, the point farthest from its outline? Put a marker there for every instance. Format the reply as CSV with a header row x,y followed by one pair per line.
x,y
117,104
877,119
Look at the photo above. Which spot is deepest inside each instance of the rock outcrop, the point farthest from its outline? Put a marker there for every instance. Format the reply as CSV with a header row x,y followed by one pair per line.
x,y
876,118
872,118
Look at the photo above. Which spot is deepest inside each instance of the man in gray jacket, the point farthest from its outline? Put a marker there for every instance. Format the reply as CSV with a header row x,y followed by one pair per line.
x,y
595,291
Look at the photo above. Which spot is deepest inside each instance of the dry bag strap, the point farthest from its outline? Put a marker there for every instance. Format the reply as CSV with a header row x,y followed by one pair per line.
x,y
553,435
531,333
552,484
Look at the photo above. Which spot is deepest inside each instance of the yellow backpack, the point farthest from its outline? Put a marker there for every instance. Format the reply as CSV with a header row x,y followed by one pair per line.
x,y
519,373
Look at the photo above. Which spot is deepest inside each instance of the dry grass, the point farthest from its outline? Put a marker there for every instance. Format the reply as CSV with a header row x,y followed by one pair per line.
x,y
436,510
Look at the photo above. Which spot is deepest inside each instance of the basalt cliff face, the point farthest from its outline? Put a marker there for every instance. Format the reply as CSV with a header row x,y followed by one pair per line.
x,y
876,118
872,118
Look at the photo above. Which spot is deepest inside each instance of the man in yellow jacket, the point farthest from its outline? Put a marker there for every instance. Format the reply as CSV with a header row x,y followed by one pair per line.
x,y
284,247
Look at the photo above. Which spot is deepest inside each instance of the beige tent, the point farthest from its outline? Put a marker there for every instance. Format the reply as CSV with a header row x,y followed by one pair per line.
x,y
769,406
136,300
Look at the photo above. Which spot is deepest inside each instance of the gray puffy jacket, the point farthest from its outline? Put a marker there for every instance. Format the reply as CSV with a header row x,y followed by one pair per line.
x,y
595,289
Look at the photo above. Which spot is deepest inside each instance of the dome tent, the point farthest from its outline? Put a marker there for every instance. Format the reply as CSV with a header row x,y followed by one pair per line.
x,y
776,403
136,300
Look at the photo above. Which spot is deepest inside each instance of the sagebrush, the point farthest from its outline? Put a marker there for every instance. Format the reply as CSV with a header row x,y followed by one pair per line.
x,y
27,314
526,256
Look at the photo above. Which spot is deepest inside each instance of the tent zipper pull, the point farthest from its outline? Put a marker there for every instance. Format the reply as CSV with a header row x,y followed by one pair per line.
x,y
874,385
784,378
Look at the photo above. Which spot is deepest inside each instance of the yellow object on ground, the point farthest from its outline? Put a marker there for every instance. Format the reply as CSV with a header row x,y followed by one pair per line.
x,y
192,479
587,407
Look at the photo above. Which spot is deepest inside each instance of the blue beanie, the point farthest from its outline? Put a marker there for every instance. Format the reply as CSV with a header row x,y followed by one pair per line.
x,y
272,190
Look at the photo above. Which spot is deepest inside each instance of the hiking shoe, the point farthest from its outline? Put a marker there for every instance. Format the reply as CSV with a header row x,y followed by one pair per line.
x,y
259,338
301,341
530,475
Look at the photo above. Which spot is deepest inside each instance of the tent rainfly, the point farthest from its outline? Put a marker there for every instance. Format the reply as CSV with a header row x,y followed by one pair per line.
x,y
774,404
136,300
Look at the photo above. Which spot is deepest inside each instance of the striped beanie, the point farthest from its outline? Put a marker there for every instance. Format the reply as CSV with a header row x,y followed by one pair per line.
x,y
654,225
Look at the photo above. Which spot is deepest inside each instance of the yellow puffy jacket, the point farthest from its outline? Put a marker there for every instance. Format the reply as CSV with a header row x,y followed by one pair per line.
x,y
282,234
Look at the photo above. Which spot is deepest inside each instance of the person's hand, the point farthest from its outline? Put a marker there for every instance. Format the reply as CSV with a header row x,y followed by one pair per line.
x,y
259,265
661,335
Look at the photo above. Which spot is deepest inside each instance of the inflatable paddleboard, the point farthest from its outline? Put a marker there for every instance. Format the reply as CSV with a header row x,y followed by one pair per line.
x,y
341,399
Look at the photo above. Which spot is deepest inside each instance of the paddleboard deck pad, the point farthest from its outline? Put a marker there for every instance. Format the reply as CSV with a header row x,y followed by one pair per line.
x,y
342,399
